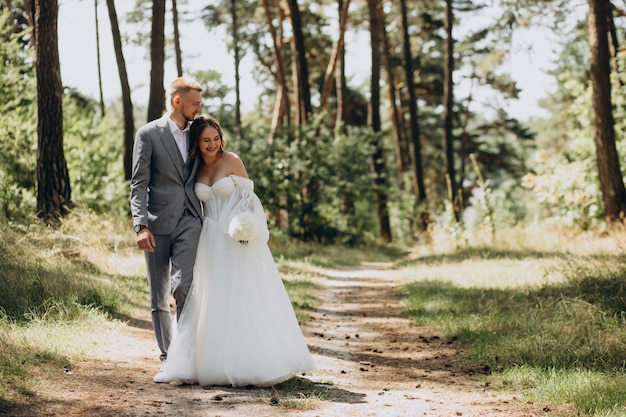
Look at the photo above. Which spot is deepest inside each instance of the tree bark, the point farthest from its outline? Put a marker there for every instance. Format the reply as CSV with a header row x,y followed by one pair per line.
x,y
398,134
448,110
53,191
611,183
179,55
332,64
102,109
237,56
340,84
418,175
281,106
302,89
156,101
127,103
378,163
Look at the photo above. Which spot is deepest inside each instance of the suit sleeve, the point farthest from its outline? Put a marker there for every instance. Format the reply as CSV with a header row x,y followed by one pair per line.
x,y
140,178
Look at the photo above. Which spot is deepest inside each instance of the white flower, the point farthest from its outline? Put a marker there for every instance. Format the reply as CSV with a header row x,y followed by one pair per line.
x,y
242,227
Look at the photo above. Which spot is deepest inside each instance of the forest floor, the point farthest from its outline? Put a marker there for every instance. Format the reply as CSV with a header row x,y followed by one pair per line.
x,y
370,359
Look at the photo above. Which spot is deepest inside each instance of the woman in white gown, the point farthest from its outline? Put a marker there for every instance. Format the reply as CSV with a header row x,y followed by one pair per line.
x,y
238,326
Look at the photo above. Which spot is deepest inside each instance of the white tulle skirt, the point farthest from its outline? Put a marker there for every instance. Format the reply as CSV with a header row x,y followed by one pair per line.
x,y
238,326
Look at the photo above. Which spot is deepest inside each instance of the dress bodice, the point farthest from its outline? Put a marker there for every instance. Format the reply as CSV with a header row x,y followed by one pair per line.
x,y
214,197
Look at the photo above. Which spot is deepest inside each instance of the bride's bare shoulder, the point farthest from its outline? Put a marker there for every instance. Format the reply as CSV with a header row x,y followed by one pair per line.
x,y
235,164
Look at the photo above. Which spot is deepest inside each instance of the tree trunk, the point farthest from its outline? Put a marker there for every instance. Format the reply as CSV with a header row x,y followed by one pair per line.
x,y
332,64
397,121
179,56
281,106
378,157
448,111
299,66
611,183
418,176
53,182
237,54
340,84
129,122
156,101
102,110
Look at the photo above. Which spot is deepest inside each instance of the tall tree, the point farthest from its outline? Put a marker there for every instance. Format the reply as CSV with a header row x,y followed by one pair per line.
x,y
448,110
340,81
127,103
53,191
177,51
156,101
334,56
611,183
102,110
300,69
398,132
418,175
378,156
234,28
281,106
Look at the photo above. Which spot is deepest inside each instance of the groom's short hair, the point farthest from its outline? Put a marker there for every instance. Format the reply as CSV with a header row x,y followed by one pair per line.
x,y
182,85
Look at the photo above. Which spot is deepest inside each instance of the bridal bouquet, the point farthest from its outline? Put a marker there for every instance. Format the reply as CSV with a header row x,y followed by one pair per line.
x,y
243,227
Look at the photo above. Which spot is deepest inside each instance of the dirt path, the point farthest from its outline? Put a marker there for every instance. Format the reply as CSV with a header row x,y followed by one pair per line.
x,y
371,362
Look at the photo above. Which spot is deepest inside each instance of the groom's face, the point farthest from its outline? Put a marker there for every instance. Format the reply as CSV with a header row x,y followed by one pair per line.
x,y
190,104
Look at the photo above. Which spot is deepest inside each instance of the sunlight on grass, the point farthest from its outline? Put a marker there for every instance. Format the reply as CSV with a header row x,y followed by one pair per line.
x,y
478,271
332,256
298,394
536,238
551,320
41,347
58,337
592,393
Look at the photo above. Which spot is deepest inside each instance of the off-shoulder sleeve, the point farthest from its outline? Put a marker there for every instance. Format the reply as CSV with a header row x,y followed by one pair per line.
x,y
244,199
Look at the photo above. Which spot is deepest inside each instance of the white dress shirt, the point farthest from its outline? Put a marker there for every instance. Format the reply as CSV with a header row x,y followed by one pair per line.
x,y
181,137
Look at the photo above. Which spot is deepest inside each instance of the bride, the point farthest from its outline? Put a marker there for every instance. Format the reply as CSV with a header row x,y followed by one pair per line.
x,y
238,326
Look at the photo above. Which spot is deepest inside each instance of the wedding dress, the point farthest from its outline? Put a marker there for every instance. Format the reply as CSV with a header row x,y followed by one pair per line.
x,y
238,326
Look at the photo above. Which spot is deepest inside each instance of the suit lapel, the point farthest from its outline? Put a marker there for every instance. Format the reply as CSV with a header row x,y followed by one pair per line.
x,y
170,145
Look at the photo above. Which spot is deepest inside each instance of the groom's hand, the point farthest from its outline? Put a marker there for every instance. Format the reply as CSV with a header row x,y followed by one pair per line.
x,y
145,240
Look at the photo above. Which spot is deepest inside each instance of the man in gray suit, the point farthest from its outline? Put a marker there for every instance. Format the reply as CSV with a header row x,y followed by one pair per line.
x,y
166,211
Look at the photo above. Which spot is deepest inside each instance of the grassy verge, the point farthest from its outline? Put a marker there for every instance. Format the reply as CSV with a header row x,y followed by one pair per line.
x,y
56,287
549,322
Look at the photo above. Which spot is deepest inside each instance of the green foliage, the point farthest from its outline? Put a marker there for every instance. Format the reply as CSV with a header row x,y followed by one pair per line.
x,y
566,182
322,182
94,150
18,126
565,172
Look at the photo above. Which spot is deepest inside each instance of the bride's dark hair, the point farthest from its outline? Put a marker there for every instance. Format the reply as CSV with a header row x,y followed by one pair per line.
x,y
197,127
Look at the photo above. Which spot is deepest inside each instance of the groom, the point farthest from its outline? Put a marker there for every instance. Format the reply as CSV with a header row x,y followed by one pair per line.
x,y
166,211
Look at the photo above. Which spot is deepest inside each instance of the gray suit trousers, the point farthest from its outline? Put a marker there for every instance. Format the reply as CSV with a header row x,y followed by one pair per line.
x,y
175,278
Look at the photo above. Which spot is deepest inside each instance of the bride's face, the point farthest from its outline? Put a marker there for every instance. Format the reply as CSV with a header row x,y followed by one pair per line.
x,y
210,143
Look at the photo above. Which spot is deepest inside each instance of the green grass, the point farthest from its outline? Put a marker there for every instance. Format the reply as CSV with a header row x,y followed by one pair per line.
x,y
297,394
552,323
592,393
332,256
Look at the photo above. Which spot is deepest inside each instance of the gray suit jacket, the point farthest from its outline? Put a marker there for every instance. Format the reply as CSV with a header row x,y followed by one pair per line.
x,y
161,184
